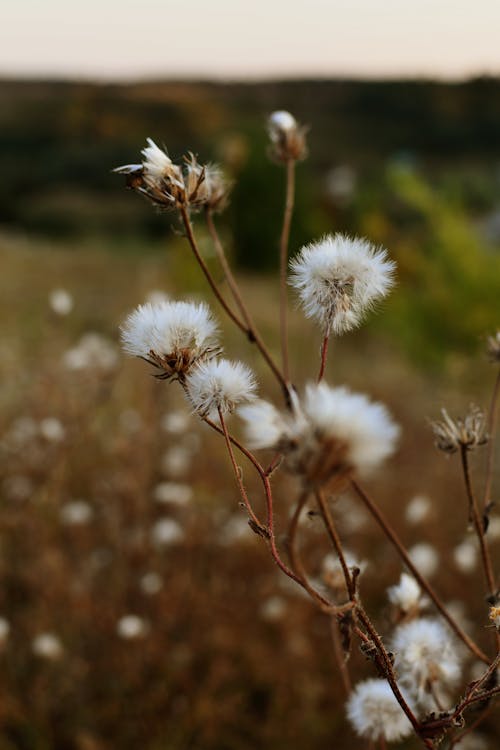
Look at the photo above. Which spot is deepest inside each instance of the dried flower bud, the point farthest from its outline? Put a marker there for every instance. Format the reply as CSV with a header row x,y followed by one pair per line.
x,y
495,617
206,185
158,178
450,435
494,347
288,138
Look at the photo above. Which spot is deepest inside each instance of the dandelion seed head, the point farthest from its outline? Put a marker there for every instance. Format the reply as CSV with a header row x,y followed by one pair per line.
x,y
206,185
467,432
47,646
375,713
171,335
406,594
130,627
92,352
61,302
339,279
220,385
426,653
288,138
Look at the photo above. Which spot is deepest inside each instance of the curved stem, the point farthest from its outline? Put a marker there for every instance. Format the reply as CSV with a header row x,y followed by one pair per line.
x,y
192,241
478,526
251,330
492,427
284,239
424,584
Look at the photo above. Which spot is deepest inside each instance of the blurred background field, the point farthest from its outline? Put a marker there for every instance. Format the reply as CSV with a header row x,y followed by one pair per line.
x,y
138,609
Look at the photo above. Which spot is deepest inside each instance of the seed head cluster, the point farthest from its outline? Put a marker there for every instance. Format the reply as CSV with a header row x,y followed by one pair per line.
x,y
468,433
339,279
288,138
375,713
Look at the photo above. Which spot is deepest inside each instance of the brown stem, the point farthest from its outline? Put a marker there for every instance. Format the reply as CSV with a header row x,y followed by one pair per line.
x,y
492,427
194,247
284,239
251,330
237,472
424,584
324,352
340,656
336,543
478,526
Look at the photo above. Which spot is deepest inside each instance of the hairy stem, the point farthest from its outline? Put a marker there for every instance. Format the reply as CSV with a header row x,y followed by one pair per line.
x,y
324,353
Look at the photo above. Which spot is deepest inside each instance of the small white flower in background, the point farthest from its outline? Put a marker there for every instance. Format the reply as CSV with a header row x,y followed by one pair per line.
x,y
220,385
339,279
130,627
52,430
130,420
92,352
331,431
426,655
18,487
425,558
61,302
418,509
465,556
166,531
273,609
156,297
173,336
173,492
288,138
176,461
151,583
406,594
76,513
176,422
4,629
47,646
331,569
375,713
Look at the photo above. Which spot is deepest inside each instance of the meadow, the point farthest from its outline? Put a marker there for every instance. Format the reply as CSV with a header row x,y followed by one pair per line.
x,y
137,606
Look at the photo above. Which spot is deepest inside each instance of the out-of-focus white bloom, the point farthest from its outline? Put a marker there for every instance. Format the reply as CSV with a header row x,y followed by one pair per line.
x,y
235,530
175,422
76,513
331,569
472,741
22,431
425,558
151,583
52,430
494,528
171,335
339,279
130,627
273,609
60,301
18,487
47,646
173,492
331,431
176,460
166,531
426,653
494,347
4,629
418,509
220,385
465,556
374,712
341,183
157,297
287,137
406,594
130,420
92,352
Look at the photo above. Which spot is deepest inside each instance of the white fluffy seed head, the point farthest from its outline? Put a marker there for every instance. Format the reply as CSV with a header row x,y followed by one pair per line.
x,y
426,654
339,279
171,335
405,595
332,430
375,713
219,385
156,162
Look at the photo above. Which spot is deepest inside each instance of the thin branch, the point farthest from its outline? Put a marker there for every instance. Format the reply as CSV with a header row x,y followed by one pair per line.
x,y
424,584
324,353
492,428
284,239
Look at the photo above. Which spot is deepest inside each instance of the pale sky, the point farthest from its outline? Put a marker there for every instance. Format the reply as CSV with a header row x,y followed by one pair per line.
x,y
131,39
